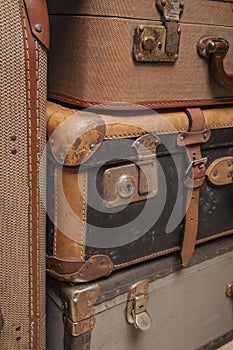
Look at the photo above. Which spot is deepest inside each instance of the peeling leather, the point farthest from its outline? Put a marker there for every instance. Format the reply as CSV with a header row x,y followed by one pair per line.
x,y
74,136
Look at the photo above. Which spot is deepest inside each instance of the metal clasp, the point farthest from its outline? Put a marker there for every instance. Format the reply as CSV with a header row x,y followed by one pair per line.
x,y
197,162
154,43
136,311
134,182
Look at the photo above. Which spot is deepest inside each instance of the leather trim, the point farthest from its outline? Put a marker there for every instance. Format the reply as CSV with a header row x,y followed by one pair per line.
x,y
32,66
96,267
220,172
163,104
38,15
74,136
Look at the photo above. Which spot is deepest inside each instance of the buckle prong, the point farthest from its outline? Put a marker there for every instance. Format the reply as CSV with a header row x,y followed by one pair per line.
x,y
201,162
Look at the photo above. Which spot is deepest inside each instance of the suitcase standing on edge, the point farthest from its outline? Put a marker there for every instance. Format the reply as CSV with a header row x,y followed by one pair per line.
x,y
187,309
135,185
23,70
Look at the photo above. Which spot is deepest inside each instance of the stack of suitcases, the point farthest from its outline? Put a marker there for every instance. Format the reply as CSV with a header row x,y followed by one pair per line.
x,y
140,175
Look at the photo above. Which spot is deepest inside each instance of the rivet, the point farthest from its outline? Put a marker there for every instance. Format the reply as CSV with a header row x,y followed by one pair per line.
x,y
52,142
103,262
159,45
176,56
179,30
108,173
14,151
141,28
75,300
92,261
181,138
137,144
139,56
92,147
38,28
13,138
205,135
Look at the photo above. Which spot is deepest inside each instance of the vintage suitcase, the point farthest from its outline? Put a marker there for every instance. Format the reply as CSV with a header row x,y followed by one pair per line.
x,y
124,181
188,309
154,53
23,71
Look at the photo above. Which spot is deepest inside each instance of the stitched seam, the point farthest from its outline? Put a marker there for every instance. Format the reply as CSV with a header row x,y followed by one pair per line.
x,y
37,193
216,126
84,201
225,233
143,133
55,211
70,99
163,252
30,173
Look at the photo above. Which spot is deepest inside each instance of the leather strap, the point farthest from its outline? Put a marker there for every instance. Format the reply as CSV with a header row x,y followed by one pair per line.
x,y
32,66
194,178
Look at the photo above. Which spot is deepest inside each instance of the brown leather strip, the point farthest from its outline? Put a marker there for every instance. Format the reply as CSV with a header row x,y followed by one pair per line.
x,y
32,64
162,104
97,266
193,183
38,19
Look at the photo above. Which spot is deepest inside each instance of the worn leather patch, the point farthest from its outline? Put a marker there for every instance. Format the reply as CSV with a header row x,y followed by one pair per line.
x,y
74,136
220,172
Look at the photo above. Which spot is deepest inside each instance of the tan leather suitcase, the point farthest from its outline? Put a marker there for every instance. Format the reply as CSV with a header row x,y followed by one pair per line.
x,y
128,186
163,53
23,79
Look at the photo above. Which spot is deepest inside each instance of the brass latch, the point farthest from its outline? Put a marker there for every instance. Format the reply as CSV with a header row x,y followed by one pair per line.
x,y
155,43
134,182
136,311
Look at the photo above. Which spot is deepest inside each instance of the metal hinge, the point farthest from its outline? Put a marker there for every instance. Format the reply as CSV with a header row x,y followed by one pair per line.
x,y
136,311
154,43
134,182
77,305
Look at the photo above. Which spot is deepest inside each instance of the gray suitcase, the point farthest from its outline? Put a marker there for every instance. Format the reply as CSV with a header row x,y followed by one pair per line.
x,y
149,306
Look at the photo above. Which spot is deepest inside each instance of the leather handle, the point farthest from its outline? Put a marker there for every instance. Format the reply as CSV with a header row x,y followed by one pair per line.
x,y
216,49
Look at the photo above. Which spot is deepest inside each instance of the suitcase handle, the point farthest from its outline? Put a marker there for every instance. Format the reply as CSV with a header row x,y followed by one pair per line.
x,y
216,49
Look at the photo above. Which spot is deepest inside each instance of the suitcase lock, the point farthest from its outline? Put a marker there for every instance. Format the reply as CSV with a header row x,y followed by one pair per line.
x,y
156,43
134,182
136,312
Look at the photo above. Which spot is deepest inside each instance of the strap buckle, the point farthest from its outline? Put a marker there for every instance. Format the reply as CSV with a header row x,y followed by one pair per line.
x,y
197,162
